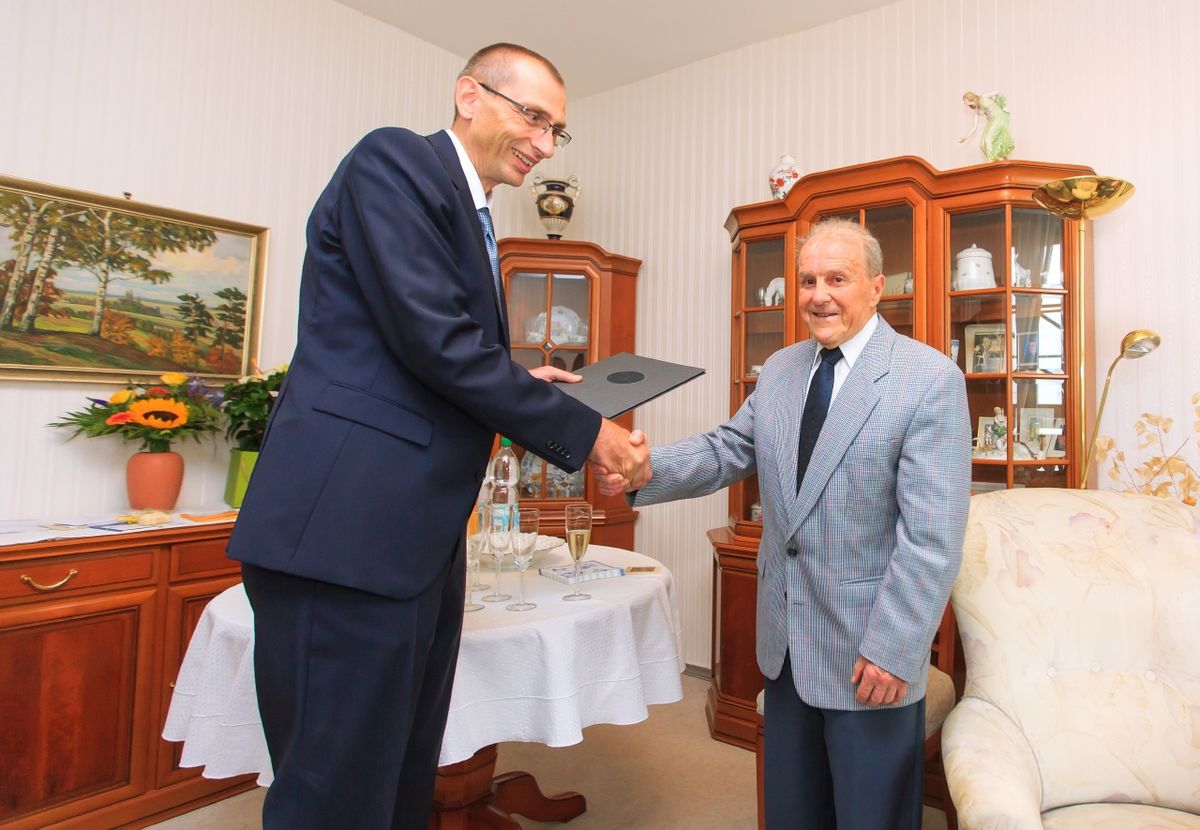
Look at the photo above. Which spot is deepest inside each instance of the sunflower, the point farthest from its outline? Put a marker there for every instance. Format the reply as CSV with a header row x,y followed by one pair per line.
x,y
159,413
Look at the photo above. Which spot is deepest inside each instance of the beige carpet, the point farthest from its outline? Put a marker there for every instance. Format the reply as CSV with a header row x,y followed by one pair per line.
x,y
664,773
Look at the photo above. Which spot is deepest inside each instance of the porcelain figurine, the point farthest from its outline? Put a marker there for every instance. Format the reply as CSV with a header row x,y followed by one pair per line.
x,y
783,177
996,142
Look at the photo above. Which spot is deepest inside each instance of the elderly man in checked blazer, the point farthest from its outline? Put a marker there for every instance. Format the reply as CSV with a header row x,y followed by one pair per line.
x,y
861,441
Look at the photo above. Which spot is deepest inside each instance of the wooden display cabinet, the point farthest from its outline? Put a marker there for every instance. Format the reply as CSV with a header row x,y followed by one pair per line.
x,y
589,298
1022,340
92,632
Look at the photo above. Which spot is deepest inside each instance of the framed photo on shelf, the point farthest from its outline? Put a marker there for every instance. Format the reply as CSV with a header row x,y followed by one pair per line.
x,y
123,289
1025,352
984,347
1054,443
1031,420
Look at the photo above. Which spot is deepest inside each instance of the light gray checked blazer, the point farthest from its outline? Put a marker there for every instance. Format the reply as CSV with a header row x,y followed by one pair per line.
x,y
878,523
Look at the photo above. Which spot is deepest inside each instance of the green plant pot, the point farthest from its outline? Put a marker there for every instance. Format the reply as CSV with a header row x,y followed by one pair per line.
x,y
241,464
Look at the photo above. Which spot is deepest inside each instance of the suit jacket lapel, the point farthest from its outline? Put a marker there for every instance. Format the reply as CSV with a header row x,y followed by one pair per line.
x,y
449,156
855,402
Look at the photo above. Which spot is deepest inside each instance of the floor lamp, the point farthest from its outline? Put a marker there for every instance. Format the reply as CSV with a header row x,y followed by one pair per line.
x,y
1082,198
1138,343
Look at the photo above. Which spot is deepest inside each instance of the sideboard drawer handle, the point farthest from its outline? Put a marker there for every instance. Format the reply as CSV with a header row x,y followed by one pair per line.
x,y
37,586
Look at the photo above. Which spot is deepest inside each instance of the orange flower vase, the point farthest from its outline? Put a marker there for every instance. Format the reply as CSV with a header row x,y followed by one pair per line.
x,y
153,480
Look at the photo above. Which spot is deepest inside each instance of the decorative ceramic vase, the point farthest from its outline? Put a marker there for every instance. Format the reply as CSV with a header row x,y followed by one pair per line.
x,y
555,200
153,480
973,269
241,464
783,177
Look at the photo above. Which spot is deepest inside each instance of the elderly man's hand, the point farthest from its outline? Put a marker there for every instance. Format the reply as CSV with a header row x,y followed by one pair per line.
x,y
611,482
620,459
876,687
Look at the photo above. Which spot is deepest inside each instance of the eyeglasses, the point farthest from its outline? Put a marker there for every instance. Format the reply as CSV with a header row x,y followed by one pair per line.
x,y
534,118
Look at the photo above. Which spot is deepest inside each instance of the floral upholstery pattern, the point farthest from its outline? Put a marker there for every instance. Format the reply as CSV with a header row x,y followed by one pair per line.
x,y
1079,613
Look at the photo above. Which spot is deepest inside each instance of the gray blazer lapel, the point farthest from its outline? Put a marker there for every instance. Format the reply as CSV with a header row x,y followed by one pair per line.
x,y
855,402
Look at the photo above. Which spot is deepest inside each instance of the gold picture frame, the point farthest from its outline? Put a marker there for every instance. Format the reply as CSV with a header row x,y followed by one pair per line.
x,y
123,289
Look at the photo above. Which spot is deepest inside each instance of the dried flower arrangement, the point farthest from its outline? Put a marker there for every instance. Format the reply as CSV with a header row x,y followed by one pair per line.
x,y
1163,474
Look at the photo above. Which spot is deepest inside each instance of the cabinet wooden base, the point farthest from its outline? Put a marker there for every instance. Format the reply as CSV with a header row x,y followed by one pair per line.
x,y
140,811
730,720
469,796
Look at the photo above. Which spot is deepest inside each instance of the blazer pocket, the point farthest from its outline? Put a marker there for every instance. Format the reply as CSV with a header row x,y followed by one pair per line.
x,y
375,412
861,580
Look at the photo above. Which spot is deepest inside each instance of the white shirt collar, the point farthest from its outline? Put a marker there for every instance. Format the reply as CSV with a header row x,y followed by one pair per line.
x,y
853,347
473,181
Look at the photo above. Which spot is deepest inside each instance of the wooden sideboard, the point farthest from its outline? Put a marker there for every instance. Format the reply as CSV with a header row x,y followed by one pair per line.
x,y
92,633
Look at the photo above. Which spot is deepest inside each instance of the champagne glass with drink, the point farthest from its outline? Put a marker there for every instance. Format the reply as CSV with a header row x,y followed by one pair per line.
x,y
524,540
578,520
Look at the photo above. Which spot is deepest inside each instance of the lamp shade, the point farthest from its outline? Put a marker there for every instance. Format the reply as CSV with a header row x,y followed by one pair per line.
x,y
1139,343
1083,197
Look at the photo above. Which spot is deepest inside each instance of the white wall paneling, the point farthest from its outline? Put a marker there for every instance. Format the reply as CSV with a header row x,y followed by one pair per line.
x,y
241,108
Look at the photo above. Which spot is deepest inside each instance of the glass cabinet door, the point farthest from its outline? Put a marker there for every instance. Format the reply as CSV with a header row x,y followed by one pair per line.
x,y
762,320
565,300
1007,317
893,227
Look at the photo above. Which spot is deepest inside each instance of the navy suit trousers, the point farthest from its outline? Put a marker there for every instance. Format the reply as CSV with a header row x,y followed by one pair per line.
x,y
353,691
831,768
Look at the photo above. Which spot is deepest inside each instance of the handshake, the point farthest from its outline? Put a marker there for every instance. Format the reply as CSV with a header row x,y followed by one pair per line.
x,y
620,459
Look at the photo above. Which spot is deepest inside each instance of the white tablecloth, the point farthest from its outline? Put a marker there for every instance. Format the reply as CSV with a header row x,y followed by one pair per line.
x,y
540,675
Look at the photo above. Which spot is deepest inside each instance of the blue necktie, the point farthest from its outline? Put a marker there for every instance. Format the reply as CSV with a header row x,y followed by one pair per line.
x,y
816,406
489,239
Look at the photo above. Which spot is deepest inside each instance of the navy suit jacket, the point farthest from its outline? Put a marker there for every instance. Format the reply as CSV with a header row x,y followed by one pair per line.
x,y
401,377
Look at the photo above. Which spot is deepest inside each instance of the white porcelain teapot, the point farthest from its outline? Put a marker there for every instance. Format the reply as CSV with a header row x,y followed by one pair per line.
x,y
973,269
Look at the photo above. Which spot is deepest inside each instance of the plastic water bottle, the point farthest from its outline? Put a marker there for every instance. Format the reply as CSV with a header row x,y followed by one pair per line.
x,y
505,475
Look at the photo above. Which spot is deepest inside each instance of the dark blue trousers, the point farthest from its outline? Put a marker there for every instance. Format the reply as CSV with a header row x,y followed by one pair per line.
x,y
849,770
353,691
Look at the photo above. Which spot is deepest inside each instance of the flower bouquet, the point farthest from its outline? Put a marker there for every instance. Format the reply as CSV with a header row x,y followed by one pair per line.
x,y
154,416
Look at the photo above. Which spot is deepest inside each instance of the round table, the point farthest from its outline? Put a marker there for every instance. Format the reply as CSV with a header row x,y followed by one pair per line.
x,y
540,675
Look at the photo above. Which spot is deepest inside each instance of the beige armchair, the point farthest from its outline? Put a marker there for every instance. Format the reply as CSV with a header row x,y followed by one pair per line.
x,y
1079,613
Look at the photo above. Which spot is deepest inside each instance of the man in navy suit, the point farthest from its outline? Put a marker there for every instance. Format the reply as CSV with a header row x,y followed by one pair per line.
x,y
351,532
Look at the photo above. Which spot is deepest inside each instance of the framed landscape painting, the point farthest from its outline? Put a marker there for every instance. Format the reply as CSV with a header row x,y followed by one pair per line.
x,y
97,288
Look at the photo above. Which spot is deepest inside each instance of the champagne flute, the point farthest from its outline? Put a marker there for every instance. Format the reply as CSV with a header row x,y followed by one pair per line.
x,y
499,524
524,540
475,538
578,521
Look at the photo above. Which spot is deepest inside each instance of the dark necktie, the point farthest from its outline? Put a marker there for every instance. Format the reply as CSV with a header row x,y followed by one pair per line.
x,y
816,406
489,239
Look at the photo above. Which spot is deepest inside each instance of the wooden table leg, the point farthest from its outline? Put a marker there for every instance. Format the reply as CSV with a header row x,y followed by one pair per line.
x,y
469,796
518,792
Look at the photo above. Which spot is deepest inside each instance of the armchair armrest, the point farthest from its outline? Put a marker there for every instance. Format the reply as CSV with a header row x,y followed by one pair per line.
x,y
990,768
